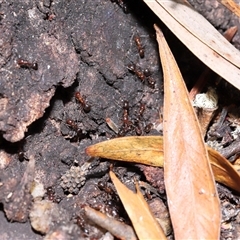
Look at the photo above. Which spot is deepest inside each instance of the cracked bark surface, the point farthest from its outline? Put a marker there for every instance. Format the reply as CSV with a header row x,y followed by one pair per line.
x,y
79,45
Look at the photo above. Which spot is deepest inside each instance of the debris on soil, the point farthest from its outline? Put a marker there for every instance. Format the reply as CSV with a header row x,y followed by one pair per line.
x,y
69,70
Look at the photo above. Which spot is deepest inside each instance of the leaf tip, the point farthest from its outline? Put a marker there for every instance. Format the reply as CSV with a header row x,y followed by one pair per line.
x,y
90,151
157,29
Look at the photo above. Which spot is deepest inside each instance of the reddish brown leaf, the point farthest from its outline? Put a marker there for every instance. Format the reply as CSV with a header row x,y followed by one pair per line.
x,y
191,193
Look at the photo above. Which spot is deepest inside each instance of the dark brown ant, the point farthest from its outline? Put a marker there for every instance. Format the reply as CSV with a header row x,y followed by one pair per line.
x,y
146,72
103,187
141,110
125,112
139,46
121,131
150,80
21,156
137,71
106,209
127,124
81,224
49,16
138,129
25,64
123,5
148,128
50,194
74,127
139,117
86,107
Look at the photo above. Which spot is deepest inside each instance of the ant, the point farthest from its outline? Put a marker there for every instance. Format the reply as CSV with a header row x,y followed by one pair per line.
x,y
25,64
50,194
138,129
21,156
142,74
81,223
123,5
137,71
146,72
141,110
148,128
103,187
49,16
150,80
126,123
139,46
86,107
74,126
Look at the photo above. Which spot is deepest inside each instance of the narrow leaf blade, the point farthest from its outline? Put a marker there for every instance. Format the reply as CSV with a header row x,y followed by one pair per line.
x,y
145,224
145,150
223,171
200,37
191,192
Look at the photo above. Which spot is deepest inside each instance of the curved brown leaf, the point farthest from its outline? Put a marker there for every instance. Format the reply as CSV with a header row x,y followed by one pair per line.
x,y
147,150
144,222
224,172
121,149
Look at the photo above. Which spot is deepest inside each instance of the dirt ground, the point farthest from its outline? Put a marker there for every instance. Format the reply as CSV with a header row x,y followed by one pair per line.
x,y
51,50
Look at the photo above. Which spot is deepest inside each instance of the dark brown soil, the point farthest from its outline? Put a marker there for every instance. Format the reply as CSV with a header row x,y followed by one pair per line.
x,y
79,46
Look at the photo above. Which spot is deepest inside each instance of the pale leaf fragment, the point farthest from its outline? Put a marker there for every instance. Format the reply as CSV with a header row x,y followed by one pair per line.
x,y
200,37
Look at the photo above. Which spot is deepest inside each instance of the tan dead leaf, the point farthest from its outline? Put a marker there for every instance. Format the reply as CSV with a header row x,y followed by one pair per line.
x,y
202,80
191,193
121,149
224,172
146,150
200,37
145,224
231,5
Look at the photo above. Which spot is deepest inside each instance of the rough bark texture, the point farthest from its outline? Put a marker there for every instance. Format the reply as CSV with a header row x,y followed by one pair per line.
x,y
85,46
